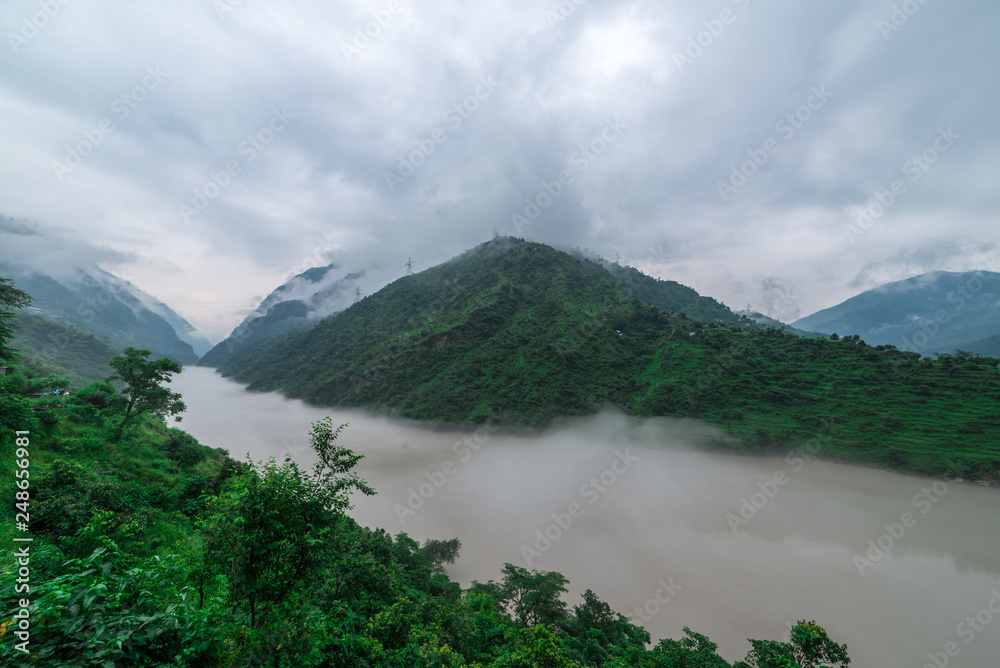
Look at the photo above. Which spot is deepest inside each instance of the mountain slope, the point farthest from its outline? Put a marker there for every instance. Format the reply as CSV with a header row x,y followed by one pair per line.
x,y
525,334
113,310
670,296
937,312
63,351
768,321
298,303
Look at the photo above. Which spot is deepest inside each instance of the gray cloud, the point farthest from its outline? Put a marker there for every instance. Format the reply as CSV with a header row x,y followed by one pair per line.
x,y
652,196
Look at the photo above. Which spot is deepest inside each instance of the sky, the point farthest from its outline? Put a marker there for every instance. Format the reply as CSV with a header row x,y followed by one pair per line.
x,y
777,153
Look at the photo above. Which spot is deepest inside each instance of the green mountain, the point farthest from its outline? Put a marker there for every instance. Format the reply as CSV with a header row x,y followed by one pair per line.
x,y
115,311
64,351
670,296
932,313
768,321
296,304
524,333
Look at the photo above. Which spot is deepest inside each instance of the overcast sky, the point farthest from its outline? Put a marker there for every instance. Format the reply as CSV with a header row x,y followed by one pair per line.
x,y
113,115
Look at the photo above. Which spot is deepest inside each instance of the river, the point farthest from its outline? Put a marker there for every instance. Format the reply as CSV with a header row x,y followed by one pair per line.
x,y
669,534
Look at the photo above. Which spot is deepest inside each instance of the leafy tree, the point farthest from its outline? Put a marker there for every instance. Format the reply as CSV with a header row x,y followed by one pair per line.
x,y
813,648
441,552
143,378
274,529
532,597
598,630
539,648
810,647
10,298
694,650
334,471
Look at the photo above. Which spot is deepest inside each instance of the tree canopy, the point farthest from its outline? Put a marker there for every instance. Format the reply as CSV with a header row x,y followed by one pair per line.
x,y
143,379
10,298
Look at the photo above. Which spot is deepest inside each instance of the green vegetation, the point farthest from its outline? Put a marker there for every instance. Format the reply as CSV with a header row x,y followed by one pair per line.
x,y
10,298
143,385
55,349
523,332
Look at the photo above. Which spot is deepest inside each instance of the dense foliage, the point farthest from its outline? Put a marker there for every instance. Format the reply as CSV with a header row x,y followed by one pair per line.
x,y
522,331
10,298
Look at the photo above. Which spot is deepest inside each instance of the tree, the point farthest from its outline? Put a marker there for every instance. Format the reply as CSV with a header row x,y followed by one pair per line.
x,y
532,597
10,298
277,526
538,647
441,552
810,647
144,392
694,650
813,648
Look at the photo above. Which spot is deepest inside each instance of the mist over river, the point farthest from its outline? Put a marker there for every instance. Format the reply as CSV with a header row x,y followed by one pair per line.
x,y
734,547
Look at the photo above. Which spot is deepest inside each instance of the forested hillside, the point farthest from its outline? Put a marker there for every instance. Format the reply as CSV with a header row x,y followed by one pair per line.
x,y
528,333
53,349
106,307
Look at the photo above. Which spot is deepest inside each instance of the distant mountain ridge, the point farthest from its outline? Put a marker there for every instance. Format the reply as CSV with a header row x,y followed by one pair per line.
x,y
113,310
300,302
937,312
768,321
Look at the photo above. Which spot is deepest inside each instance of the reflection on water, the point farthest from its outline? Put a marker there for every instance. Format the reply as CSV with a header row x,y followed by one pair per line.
x,y
734,547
